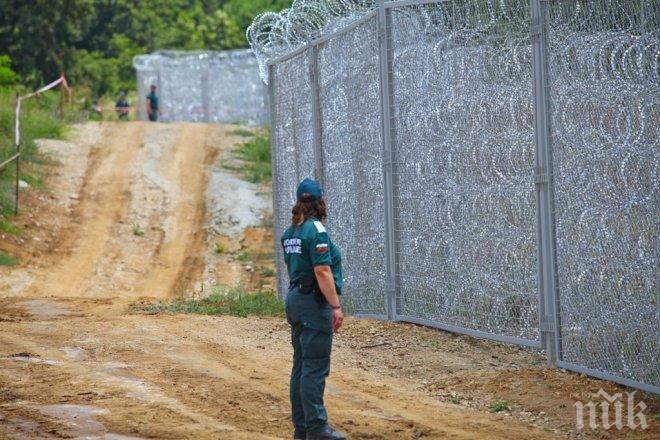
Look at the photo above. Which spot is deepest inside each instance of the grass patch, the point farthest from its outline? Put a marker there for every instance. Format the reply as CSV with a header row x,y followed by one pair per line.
x,y
137,230
220,249
9,228
499,406
244,257
39,119
267,272
243,132
6,259
256,155
224,300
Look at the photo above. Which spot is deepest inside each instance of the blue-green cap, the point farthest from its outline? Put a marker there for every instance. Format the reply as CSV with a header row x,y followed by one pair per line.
x,y
310,187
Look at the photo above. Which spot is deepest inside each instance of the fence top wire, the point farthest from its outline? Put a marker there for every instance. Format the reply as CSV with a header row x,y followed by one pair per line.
x,y
275,34
193,59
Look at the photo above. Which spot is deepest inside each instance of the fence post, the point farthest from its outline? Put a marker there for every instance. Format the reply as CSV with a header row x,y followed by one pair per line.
x,y
549,319
206,100
272,116
387,97
317,126
17,135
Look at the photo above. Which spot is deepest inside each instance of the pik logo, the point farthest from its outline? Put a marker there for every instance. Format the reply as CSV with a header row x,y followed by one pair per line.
x,y
611,408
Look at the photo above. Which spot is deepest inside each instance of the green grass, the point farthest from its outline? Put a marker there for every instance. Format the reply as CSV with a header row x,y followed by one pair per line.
x,y
6,259
244,256
137,230
267,272
9,228
243,132
224,300
256,154
220,249
499,406
39,120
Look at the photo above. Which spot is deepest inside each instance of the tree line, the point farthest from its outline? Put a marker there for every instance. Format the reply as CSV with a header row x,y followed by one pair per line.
x,y
94,41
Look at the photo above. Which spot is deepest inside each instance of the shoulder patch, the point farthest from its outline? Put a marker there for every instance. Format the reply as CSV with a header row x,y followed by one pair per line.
x,y
319,226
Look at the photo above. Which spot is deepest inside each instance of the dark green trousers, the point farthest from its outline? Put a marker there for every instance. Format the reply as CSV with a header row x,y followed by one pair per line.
x,y
311,337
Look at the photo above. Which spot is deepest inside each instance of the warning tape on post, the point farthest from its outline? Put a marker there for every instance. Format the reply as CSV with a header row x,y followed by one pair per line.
x,y
58,81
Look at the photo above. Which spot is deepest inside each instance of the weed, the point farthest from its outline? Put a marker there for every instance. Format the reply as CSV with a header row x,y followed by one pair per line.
x,y
220,249
267,272
499,406
137,230
456,399
6,259
223,301
244,256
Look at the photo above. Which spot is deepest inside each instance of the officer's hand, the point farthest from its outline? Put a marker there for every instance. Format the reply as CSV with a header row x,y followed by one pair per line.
x,y
337,318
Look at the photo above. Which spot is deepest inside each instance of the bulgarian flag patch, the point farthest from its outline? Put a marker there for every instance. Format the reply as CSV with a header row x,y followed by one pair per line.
x,y
322,248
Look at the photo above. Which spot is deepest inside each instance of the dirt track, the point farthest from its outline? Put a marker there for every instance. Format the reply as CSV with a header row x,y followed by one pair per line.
x,y
75,362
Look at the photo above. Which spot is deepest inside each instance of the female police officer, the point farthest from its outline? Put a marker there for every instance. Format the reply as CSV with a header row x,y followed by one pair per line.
x,y
312,309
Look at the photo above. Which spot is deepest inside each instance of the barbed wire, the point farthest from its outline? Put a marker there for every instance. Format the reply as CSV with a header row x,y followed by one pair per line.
x,y
273,34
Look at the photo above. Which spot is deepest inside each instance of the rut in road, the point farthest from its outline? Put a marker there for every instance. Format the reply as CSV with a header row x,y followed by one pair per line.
x,y
155,176
76,362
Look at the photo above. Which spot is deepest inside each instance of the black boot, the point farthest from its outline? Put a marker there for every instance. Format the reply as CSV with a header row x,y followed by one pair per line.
x,y
299,434
327,433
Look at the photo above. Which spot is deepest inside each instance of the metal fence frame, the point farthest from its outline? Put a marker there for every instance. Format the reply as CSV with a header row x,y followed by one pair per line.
x,y
541,176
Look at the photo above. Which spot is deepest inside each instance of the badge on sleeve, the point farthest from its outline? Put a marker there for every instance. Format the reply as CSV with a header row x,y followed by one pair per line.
x,y
322,248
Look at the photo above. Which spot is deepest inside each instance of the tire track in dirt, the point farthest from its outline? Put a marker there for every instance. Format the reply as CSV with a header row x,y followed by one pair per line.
x,y
180,259
139,226
103,200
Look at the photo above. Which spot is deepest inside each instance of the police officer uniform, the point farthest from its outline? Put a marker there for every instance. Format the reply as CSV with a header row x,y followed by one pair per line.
x,y
310,317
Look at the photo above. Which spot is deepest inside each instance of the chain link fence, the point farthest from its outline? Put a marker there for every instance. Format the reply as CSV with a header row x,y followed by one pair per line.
x,y
203,86
491,166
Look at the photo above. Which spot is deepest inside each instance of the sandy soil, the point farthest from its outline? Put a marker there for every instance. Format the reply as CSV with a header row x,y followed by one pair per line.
x,y
130,215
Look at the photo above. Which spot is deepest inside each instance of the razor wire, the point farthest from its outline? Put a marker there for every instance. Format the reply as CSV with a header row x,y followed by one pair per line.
x,y
203,86
463,154
464,150
605,90
292,142
349,87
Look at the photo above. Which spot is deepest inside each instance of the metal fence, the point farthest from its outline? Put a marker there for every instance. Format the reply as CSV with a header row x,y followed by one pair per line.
x,y
203,86
491,166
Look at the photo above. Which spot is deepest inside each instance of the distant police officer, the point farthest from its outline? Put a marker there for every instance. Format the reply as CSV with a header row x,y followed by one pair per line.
x,y
153,109
312,309
122,106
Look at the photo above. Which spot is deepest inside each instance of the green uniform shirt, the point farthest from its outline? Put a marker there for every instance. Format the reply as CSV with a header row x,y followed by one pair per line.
x,y
153,98
307,246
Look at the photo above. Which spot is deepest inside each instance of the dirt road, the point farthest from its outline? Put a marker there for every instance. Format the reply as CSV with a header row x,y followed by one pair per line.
x,y
128,218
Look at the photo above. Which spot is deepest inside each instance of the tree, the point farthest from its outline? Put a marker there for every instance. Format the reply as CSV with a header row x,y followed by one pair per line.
x,y
7,76
94,41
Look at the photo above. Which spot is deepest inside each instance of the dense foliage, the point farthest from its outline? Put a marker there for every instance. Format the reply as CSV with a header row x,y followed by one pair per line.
x,y
94,41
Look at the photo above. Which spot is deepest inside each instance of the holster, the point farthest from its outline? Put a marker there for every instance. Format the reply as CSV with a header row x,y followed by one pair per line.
x,y
310,285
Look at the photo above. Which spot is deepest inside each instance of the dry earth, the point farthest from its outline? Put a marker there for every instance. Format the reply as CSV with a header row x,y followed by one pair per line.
x,y
136,211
